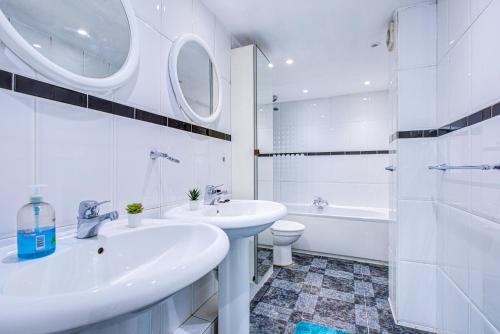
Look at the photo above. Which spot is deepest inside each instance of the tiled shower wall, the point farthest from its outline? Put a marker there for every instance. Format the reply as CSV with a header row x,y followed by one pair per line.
x,y
468,202
83,154
412,250
354,123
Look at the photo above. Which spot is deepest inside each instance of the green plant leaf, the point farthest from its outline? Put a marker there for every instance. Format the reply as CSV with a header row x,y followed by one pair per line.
x,y
135,208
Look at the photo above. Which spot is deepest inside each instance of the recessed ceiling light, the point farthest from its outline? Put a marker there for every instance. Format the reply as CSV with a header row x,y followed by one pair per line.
x,y
367,83
270,65
82,32
289,61
305,91
38,46
365,99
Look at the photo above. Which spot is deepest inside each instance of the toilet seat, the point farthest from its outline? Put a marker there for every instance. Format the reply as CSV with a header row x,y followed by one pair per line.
x,y
284,226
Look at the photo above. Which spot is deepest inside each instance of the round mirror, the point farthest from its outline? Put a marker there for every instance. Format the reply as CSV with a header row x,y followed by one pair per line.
x,y
195,80
89,44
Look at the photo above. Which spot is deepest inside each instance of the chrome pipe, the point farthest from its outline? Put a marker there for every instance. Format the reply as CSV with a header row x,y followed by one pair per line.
x,y
155,155
445,167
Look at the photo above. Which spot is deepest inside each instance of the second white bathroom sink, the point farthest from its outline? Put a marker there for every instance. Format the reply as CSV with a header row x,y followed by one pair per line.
x,y
238,218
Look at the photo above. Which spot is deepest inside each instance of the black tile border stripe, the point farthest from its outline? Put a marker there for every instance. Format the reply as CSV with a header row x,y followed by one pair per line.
x,y
5,80
33,87
474,118
312,154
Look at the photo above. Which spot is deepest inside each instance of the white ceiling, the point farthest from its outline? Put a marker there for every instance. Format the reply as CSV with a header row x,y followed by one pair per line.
x,y
330,41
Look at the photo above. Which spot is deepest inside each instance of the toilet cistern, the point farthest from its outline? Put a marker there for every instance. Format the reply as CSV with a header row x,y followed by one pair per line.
x,y
89,220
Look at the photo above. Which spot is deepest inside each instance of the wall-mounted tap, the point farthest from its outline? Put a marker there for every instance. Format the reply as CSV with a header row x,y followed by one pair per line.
x,y
89,220
213,194
320,203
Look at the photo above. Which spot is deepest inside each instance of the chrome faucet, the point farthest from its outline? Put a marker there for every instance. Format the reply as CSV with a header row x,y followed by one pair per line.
x,y
320,203
89,220
213,194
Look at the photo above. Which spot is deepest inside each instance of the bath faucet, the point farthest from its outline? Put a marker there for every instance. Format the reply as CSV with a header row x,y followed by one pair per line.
x,y
213,194
320,203
89,220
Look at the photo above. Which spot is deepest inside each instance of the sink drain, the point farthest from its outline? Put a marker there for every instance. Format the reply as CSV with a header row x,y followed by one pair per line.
x,y
100,250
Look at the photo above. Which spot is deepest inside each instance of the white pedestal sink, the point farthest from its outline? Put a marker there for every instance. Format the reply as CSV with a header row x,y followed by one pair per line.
x,y
120,271
239,219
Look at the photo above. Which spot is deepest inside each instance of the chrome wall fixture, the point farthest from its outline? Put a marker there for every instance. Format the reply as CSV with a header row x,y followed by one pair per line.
x,y
445,167
155,155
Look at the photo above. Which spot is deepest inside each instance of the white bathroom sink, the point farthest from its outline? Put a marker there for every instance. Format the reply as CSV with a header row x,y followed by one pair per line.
x,y
90,280
238,218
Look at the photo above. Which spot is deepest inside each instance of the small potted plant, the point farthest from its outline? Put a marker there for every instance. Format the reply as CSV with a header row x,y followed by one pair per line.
x,y
134,211
194,196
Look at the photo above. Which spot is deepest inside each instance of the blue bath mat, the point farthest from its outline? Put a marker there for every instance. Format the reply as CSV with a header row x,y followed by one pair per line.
x,y
310,328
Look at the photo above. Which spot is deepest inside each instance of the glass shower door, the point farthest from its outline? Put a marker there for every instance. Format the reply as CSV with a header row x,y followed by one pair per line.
x,y
264,179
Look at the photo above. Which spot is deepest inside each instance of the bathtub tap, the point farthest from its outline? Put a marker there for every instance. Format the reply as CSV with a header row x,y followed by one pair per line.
x,y
320,203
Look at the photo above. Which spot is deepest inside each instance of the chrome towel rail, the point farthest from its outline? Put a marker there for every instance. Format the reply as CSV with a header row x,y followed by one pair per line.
x,y
155,155
445,167
390,168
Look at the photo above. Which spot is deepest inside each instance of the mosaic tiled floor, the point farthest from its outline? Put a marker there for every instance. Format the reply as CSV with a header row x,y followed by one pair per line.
x,y
341,294
264,262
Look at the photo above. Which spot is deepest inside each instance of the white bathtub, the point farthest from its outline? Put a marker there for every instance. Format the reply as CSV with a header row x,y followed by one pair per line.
x,y
339,230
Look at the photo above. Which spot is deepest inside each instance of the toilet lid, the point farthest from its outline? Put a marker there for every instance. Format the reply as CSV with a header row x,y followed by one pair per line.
x,y
287,226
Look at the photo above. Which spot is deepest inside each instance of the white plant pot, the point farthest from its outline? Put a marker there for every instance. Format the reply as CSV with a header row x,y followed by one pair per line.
x,y
194,205
134,220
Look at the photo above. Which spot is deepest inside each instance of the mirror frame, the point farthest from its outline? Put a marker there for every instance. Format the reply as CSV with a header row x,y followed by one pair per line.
x,y
174,79
17,44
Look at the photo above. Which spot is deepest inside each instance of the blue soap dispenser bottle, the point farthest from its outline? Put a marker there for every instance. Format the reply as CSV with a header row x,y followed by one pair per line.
x,y
36,229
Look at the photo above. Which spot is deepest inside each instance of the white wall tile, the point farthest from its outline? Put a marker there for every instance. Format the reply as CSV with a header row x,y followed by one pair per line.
x,y
477,7
413,293
137,175
176,178
458,19
18,157
417,231
459,79
443,95
453,308
417,98
417,36
454,252
204,24
478,324
222,50
143,90
442,28
224,122
74,157
220,163
149,11
485,186
11,62
415,180
485,54
484,276
177,18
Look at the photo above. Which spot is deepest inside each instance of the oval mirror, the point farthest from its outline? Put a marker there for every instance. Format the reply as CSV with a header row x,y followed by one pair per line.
x,y
195,79
89,44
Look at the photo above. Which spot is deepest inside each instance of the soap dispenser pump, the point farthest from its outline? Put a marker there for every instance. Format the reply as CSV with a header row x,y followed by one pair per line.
x,y
36,230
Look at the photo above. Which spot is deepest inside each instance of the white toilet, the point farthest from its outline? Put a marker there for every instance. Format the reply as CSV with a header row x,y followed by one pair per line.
x,y
285,233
